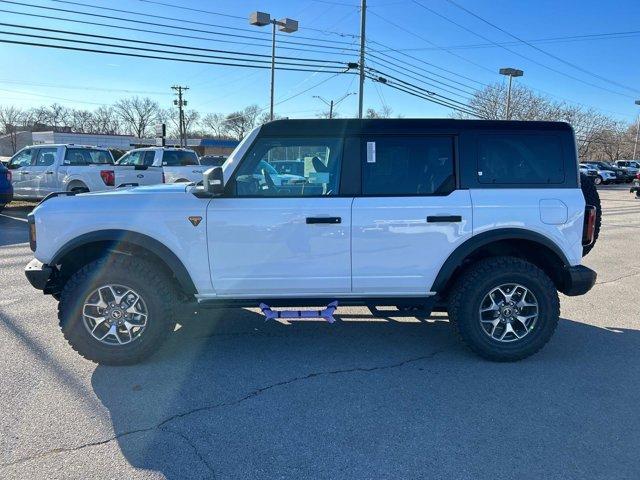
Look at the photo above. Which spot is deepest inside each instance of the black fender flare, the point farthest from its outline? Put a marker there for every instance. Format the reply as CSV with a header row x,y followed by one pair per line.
x,y
138,239
480,240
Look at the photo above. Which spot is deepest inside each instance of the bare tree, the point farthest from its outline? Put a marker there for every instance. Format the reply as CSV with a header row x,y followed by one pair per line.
x,y
58,116
10,119
81,121
239,123
105,121
137,114
384,112
215,122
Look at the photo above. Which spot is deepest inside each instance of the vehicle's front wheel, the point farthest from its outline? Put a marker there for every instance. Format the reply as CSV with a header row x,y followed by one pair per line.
x,y
504,308
117,311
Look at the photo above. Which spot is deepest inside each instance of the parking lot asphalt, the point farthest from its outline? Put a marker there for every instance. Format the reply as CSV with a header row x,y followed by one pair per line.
x,y
231,396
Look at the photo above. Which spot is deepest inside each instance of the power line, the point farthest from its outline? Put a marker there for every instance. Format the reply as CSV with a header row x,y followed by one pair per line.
x,y
184,20
121,39
198,10
517,53
210,32
82,87
136,55
155,32
573,65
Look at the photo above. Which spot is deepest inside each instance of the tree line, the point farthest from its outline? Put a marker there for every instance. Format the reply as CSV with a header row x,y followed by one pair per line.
x,y
599,136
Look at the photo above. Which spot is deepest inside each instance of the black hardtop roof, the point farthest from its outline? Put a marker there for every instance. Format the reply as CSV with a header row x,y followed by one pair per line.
x,y
401,125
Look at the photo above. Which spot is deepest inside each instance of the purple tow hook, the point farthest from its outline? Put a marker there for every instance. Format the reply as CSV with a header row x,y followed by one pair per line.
x,y
327,313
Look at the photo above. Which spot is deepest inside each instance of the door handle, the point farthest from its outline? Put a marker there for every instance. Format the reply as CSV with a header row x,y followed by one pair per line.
x,y
311,220
48,173
25,173
444,219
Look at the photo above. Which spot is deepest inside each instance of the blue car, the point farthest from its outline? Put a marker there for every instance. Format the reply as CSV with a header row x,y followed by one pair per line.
x,y
6,189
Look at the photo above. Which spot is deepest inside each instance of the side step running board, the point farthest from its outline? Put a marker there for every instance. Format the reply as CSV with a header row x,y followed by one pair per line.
x,y
327,313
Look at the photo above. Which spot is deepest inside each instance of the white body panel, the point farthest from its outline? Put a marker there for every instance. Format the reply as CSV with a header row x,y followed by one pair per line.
x,y
161,212
264,247
557,214
153,173
395,250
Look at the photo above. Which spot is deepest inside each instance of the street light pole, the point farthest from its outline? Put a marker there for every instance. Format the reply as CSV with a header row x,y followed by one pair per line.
x,y
510,72
286,25
635,145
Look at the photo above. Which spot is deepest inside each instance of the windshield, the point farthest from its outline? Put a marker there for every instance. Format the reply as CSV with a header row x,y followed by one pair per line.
x,y
87,156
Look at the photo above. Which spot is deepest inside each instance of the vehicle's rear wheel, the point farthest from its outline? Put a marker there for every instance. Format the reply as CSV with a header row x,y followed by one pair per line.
x,y
591,197
504,308
597,180
117,311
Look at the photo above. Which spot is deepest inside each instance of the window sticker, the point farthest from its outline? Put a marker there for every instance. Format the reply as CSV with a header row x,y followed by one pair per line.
x,y
371,152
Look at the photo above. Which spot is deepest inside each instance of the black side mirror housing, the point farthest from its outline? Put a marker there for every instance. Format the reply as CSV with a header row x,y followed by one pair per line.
x,y
214,181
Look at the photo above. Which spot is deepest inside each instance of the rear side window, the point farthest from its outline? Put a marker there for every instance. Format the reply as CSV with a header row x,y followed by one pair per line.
x,y
520,159
179,158
403,165
86,156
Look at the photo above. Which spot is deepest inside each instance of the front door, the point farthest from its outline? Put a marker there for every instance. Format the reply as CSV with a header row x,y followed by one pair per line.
x,y
277,235
42,175
18,165
410,216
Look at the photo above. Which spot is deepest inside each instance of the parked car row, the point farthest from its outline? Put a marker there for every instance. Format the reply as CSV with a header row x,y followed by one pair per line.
x,y
36,171
621,171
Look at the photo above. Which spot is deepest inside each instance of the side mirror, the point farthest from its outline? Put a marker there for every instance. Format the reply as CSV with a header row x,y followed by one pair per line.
x,y
214,181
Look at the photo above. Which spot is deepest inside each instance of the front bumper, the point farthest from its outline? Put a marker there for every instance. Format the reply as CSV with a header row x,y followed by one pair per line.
x,y
38,274
578,280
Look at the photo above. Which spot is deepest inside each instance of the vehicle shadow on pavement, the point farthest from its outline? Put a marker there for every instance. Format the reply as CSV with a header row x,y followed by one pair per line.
x,y
236,397
14,228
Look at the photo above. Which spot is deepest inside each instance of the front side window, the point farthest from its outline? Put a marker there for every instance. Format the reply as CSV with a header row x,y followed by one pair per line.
x,y
132,158
408,165
179,158
21,159
314,164
87,156
520,159
45,157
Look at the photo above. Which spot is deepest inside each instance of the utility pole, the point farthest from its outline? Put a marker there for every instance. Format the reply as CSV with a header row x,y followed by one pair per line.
x,y
635,145
286,25
331,103
363,21
181,104
510,72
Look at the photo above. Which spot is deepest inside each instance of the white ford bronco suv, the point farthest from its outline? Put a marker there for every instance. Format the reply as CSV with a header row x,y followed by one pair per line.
x,y
486,220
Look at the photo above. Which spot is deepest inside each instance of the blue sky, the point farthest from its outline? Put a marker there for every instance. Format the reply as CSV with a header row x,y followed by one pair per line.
x,y
31,76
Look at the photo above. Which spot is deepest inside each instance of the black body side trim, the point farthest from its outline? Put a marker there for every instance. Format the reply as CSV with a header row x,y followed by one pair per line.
x,y
477,241
425,302
138,239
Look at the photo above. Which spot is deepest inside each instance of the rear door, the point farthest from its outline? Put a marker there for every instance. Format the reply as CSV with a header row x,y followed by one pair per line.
x,y
410,215
181,166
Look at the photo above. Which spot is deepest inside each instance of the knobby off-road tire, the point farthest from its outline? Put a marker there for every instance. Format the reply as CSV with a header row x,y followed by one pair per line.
x,y
159,299
591,197
471,289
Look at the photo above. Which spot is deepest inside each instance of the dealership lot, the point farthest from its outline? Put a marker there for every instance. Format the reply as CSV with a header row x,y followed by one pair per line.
x,y
230,396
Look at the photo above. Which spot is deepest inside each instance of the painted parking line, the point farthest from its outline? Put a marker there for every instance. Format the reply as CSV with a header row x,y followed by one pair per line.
x,y
14,218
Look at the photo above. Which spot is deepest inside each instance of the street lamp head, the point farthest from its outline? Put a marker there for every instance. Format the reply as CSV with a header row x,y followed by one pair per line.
x,y
288,25
511,72
259,19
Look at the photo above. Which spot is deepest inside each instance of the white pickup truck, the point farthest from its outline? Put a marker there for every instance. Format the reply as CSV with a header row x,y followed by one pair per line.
x,y
178,165
40,170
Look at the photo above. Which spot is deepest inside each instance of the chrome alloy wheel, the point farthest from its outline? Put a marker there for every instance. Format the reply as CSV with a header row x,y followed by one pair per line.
x,y
114,314
508,312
